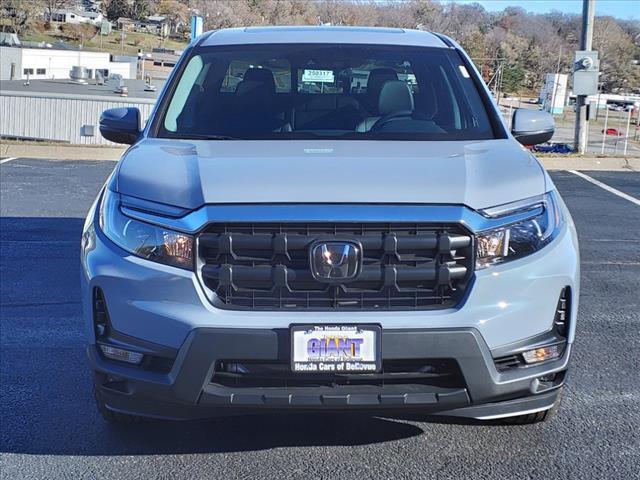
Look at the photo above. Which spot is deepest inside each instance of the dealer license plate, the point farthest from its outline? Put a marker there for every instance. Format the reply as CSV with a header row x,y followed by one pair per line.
x,y
336,348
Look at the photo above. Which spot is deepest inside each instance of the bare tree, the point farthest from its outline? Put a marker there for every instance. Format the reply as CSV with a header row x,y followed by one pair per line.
x,y
51,6
175,11
17,14
616,50
525,45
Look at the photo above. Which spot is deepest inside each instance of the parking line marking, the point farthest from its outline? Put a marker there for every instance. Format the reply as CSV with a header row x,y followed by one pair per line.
x,y
8,160
606,187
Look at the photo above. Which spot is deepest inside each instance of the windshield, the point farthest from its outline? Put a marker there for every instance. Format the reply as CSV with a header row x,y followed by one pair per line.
x,y
327,91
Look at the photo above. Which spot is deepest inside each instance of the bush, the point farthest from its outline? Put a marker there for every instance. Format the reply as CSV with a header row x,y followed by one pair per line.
x,y
38,26
77,32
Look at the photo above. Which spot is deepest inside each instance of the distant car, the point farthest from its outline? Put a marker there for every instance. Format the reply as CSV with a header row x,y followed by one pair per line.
x,y
615,107
613,131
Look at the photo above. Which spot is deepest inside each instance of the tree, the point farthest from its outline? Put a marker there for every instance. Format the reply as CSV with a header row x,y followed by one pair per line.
x,y
115,9
17,14
513,77
525,46
176,12
140,9
51,6
616,51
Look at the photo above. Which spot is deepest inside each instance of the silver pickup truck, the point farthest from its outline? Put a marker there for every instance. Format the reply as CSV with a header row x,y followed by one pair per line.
x,y
328,218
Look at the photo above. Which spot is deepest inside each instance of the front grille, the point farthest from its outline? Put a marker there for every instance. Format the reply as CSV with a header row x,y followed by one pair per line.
x,y
404,266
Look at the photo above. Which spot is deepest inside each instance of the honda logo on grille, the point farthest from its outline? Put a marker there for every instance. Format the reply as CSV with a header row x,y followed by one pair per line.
x,y
335,261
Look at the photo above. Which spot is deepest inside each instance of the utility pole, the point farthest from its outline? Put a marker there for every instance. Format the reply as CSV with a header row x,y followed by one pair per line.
x,y
586,40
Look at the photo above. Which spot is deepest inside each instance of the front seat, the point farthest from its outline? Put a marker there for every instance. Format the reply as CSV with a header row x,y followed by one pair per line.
x,y
376,80
254,105
257,87
395,98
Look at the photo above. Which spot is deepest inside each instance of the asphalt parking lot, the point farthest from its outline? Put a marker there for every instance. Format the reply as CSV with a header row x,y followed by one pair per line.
x,y
49,427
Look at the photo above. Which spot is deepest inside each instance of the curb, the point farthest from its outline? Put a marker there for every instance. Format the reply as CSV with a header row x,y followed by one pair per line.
x,y
61,152
591,163
85,152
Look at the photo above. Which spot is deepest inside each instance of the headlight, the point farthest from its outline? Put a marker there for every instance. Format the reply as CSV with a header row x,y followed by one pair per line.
x,y
144,240
519,239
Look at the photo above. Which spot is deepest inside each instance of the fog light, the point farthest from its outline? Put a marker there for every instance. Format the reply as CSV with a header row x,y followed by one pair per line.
x,y
122,355
543,353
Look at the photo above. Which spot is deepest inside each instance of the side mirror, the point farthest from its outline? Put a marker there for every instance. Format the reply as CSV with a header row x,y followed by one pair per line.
x,y
120,125
532,127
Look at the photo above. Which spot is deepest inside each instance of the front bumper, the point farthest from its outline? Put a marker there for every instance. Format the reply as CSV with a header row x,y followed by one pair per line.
x,y
189,389
157,307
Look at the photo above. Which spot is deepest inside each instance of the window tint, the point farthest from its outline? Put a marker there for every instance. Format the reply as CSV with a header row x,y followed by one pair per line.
x,y
325,91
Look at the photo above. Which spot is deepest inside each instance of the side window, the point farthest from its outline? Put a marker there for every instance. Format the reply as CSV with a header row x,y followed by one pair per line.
x,y
452,101
234,75
181,94
465,106
279,67
410,78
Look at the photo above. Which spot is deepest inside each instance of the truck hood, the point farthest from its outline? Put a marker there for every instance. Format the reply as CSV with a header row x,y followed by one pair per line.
x,y
189,174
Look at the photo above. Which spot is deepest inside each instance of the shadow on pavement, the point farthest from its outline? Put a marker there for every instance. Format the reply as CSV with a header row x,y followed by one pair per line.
x,y
46,403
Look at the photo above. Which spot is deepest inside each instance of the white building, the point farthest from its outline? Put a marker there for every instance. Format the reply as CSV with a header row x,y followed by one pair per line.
x,y
64,111
51,63
73,16
554,93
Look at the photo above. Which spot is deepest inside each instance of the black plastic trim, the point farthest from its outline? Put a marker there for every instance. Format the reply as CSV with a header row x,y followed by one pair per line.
x,y
542,340
156,357
184,390
446,40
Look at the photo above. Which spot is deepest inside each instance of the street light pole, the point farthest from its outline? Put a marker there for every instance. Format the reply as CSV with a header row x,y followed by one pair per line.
x,y
586,41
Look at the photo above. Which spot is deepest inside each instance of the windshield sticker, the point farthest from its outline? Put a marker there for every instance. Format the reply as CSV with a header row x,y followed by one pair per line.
x,y
323,76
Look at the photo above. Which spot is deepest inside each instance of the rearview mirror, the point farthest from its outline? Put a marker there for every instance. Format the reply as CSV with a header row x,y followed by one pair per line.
x,y
532,127
120,125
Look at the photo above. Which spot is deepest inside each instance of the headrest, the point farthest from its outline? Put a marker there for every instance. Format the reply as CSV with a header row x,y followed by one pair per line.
x,y
260,75
376,80
395,96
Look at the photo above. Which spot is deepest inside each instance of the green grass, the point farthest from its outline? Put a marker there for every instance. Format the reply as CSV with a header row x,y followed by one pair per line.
x,y
110,43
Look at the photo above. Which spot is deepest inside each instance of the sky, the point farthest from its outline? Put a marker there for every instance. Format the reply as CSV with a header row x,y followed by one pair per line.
x,y
624,9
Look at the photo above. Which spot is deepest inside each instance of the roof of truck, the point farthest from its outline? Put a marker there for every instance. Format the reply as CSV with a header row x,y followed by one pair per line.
x,y
323,34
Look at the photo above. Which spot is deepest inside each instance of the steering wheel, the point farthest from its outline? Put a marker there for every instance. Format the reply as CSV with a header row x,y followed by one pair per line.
x,y
393,116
